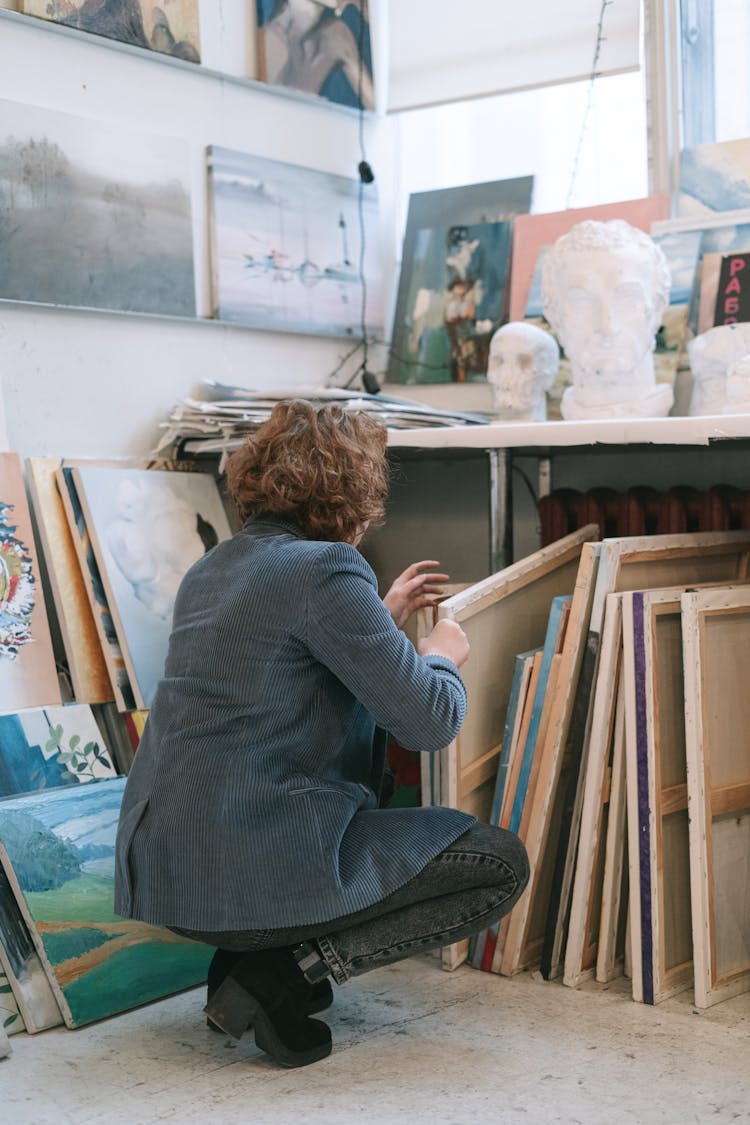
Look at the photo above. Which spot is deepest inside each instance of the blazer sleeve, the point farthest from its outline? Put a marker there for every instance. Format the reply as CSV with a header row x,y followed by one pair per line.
x,y
420,700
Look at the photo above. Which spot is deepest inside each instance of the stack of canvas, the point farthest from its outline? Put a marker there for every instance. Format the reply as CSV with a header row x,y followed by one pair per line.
x,y
599,727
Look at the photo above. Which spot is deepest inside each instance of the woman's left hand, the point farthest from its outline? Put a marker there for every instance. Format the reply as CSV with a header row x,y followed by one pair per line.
x,y
418,586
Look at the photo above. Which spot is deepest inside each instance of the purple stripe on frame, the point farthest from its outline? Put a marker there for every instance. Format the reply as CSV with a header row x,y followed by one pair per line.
x,y
644,829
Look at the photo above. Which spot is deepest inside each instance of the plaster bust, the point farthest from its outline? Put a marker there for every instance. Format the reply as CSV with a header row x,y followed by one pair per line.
x,y
711,356
605,287
738,387
522,365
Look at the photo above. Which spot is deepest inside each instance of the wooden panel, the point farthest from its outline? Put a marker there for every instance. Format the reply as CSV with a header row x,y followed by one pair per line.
x,y
716,642
564,706
502,616
582,929
612,907
88,671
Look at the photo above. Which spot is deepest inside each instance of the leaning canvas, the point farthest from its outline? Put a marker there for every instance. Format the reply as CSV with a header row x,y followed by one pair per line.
x,y
172,28
320,48
147,527
285,243
58,852
93,215
453,288
27,664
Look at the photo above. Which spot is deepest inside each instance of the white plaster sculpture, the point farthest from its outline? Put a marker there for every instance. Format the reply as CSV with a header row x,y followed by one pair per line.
x,y
605,287
522,365
711,356
738,387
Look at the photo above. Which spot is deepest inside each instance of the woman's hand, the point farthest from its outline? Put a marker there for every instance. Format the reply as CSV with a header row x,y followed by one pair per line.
x,y
446,639
418,586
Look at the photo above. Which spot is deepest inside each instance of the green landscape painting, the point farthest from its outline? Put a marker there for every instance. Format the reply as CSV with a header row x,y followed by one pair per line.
x,y
58,850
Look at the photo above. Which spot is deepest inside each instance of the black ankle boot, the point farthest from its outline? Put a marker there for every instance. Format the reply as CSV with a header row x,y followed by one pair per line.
x,y
312,998
257,990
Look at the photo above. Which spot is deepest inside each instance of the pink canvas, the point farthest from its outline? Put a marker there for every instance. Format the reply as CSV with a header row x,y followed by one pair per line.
x,y
532,232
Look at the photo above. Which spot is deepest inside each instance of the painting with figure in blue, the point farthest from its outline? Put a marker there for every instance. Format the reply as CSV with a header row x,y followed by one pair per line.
x,y
59,852
322,48
715,177
286,247
51,746
147,527
455,286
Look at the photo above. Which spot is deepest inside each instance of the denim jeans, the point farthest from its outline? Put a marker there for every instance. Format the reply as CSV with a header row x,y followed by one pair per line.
x,y
470,885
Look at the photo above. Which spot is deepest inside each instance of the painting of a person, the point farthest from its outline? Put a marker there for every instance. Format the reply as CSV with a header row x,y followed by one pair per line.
x,y
319,46
252,818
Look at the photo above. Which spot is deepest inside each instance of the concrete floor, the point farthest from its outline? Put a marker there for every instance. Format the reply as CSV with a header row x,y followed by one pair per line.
x,y
411,1044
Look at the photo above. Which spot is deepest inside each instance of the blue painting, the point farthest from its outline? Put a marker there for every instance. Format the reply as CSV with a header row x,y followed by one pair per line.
x,y
715,177
455,289
60,847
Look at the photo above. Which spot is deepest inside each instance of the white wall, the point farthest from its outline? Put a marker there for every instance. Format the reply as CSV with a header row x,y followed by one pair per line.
x,y
82,383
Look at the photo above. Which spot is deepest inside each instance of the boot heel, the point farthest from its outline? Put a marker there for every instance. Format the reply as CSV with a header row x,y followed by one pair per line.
x,y
231,1008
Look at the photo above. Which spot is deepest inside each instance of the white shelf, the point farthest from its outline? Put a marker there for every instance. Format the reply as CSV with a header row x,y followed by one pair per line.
x,y
547,436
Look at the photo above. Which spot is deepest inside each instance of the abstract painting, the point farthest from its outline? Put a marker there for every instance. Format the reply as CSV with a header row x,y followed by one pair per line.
x,y
286,247
454,287
59,856
49,747
147,528
93,215
27,664
321,48
172,27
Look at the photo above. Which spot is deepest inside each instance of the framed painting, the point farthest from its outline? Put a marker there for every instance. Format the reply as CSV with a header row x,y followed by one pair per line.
x,y
28,677
451,296
716,641
58,854
93,215
285,247
86,664
321,49
172,28
147,528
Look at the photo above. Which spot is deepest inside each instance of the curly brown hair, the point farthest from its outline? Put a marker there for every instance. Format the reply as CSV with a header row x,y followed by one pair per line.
x,y
323,467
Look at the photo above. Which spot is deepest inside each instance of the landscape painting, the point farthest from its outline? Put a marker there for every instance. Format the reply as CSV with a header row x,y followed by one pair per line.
x,y
51,746
286,247
170,27
715,177
59,856
93,215
454,290
322,48
28,677
147,527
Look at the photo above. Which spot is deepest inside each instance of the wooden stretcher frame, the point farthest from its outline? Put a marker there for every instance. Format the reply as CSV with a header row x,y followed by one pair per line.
x,y
583,934
633,563
613,922
502,615
563,705
656,782
717,719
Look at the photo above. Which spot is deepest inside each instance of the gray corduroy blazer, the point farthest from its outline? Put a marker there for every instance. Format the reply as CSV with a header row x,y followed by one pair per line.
x,y
252,800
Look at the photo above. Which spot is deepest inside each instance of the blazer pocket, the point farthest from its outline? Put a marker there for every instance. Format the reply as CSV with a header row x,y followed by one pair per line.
x,y
125,833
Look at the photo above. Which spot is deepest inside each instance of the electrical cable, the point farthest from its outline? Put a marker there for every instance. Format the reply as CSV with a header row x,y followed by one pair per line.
x,y
600,39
